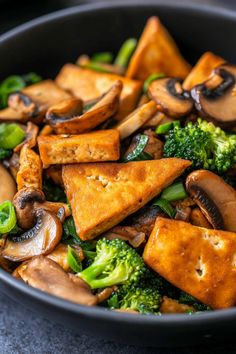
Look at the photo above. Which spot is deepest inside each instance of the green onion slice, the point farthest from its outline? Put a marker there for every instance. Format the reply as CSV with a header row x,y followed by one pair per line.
x,y
103,57
11,135
7,217
150,79
165,128
96,67
5,153
174,192
165,206
125,52
31,78
138,154
74,260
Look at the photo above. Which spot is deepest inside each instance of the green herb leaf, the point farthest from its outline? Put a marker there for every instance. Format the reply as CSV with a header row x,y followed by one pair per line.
x,y
74,260
165,206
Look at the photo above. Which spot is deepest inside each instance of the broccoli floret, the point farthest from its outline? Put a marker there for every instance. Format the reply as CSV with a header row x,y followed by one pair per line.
x,y
146,300
115,263
206,145
190,300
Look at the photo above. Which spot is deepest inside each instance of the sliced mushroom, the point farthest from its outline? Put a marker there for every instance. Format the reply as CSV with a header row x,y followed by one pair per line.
x,y
170,97
24,206
31,137
40,240
7,186
32,102
215,198
215,99
44,274
85,62
66,118
136,119
197,218
126,233
173,306
28,200
13,164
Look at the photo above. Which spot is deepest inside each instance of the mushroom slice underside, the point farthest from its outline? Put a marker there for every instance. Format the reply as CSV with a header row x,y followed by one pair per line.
x,y
45,274
64,121
215,99
170,97
31,137
40,240
216,199
24,205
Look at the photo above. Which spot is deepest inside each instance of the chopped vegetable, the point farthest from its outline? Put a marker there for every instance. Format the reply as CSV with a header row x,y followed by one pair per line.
x,y
165,206
175,192
103,57
125,52
5,153
73,260
138,154
166,127
206,145
115,263
7,217
150,79
11,135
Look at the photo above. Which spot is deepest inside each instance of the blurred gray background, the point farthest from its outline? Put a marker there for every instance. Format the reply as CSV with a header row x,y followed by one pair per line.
x,y
21,330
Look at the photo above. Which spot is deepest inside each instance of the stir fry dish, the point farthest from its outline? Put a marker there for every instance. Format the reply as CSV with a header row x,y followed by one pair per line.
x,y
118,179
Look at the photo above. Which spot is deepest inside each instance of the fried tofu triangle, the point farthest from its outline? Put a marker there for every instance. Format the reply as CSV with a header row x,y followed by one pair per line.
x,y
102,145
200,261
101,195
156,52
202,70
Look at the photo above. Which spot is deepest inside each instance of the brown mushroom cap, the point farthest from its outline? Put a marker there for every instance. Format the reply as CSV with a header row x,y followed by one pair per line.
x,y
40,240
170,97
215,198
7,186
23,104
215,99
24,205
44,274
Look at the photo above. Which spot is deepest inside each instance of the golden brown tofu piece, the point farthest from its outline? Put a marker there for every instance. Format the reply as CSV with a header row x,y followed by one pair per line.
x,y
101,195
30,171
156,52
103,145
33,101
202,70
88,85
199,261
169,305
8,114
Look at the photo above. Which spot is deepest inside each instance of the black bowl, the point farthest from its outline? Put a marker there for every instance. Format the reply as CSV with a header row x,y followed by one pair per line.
x,y
44,45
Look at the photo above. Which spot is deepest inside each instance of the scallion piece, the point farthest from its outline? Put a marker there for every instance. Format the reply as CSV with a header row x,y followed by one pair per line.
x,y
165,128
96,67
125,52
174,192
11,84
31,78
103,57
74,260
138,154
150,79
165,206
7,217
5,153
11,135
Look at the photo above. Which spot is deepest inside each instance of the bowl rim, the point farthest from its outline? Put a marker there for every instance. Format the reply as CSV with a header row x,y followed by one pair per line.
x,y
197,320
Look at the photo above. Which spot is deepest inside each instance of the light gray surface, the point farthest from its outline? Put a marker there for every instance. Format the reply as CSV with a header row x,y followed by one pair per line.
x,y
24,332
